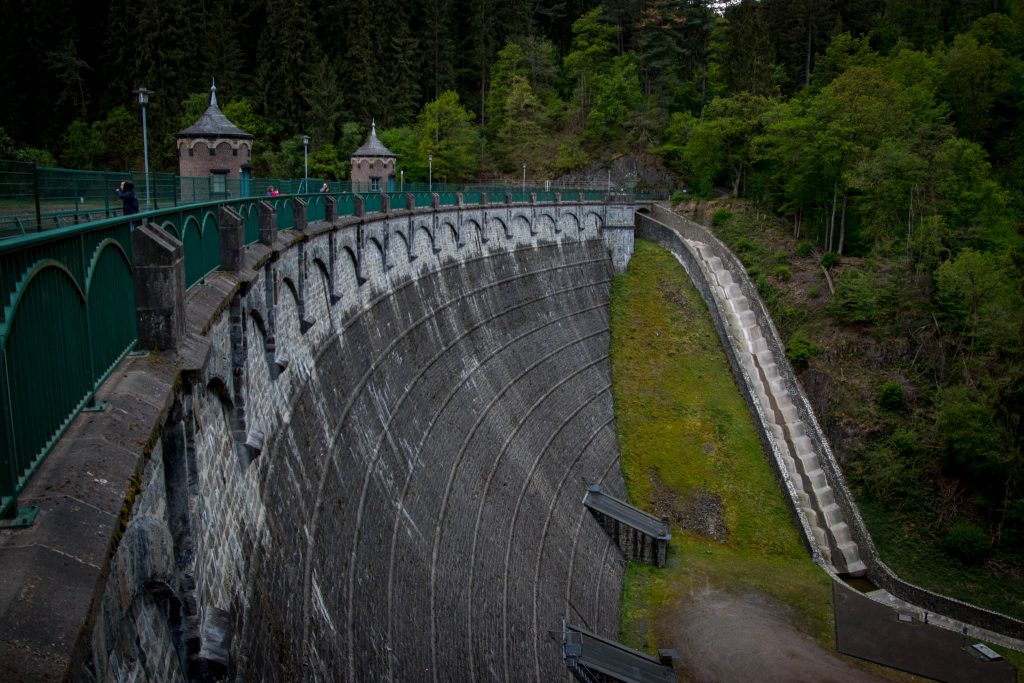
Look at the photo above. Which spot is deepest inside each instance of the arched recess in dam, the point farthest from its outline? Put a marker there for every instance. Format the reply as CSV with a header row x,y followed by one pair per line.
x,y
435,403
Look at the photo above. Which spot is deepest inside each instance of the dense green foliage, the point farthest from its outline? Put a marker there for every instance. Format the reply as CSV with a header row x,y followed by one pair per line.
x,y
875,86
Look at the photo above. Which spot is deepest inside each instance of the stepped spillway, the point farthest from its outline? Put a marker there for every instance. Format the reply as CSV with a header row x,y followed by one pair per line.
x,y
817,502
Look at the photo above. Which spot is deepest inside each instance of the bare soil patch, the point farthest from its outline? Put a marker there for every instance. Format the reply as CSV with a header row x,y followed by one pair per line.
x,y
725,638
697,510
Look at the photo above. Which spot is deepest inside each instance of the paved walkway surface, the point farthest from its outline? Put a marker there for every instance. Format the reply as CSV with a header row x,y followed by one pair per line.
x,y
898,636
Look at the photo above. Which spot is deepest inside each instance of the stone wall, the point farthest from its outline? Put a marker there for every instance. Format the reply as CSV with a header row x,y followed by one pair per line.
x,y
197,157
374,458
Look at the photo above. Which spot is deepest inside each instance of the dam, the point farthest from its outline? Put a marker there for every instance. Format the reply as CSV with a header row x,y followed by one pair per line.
x,y
365,455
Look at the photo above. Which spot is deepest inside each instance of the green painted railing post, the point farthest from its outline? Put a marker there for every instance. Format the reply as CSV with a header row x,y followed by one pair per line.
x,y
35,187
91,400
12,454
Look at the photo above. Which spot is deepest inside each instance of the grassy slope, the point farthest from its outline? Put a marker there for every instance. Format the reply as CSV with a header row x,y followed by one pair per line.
x,y
683,425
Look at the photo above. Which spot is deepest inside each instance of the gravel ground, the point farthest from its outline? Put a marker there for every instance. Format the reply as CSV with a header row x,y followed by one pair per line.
x,y
726,638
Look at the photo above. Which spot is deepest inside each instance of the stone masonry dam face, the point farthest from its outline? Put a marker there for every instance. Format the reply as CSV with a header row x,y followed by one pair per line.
x,y
423,410
423,502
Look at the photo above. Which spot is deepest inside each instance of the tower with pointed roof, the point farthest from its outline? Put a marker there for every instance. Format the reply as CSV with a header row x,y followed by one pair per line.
x,y
216,149
373,165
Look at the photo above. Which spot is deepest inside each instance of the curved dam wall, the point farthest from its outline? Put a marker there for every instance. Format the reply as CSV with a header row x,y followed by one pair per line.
x,y
687,240
372,455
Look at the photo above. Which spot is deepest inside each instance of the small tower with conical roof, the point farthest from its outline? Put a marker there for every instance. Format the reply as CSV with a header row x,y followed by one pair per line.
x,y
373,165
215,149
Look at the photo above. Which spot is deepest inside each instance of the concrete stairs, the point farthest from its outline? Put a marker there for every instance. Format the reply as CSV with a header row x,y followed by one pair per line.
x,y
815,496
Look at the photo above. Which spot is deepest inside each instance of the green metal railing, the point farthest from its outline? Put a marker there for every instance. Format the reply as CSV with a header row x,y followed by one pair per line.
x,y
68,318
68,314
371,202
346,205
396,200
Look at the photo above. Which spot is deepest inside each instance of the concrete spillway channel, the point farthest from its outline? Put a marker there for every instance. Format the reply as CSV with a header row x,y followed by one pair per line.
x,y
817,501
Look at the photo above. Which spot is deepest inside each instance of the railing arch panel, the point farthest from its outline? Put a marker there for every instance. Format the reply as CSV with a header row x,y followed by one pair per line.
x,y
371,202
110,294
210,244
283,209
315,208
346,205
46,375
192,243
251,215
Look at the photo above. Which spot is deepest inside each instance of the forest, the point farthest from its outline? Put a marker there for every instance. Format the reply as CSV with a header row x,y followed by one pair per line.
x,y
884,137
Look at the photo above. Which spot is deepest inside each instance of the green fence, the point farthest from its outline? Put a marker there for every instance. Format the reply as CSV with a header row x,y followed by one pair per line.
x,y
371,202
68,319
396,200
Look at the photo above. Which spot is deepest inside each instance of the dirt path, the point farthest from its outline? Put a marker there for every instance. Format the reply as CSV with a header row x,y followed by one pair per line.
x,y
726,638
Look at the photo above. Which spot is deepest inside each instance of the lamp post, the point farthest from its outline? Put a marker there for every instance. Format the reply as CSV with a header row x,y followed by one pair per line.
x,y
305,162
144,94
430,172
524,178
401,174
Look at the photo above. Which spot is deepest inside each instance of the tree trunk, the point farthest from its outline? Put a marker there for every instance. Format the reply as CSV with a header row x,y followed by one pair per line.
x,y
832,219
807,70
737,176
842,225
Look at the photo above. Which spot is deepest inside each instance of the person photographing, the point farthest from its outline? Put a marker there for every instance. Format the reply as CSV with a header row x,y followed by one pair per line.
x,y
129,202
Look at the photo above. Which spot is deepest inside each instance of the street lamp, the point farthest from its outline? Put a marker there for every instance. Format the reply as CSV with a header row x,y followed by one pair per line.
x,y
305,162
430,173
524,178
144,94
401,187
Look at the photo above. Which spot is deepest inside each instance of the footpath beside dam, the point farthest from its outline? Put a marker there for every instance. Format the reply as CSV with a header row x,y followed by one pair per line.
x,y
365,460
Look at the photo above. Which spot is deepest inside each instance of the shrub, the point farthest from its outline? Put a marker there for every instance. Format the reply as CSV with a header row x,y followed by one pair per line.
x,y
781,257
890,396
743,245
720,216
680,196
904,442
801,350
829,259
805,249
762,284
967,542
782,272
858,298
814,291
